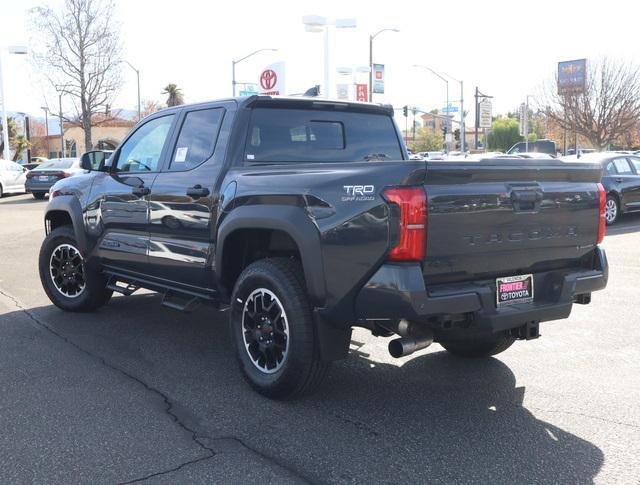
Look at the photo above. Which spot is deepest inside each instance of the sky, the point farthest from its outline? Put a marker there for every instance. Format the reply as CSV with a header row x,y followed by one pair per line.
x,y
506,48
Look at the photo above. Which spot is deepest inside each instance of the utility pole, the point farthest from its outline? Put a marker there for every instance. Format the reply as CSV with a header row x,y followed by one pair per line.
x,y
477,127
484,97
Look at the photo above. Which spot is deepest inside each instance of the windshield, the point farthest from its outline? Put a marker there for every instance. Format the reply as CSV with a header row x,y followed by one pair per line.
x,y
57,163
307,135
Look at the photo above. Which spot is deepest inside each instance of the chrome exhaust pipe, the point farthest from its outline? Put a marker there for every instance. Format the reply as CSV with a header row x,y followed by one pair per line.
x,y
403,346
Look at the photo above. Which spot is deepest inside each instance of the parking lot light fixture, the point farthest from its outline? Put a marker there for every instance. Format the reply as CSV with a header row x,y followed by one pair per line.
x,y
15,49
316,24
371,38
233,66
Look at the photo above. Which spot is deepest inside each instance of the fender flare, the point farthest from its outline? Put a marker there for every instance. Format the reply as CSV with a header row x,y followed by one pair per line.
x,y
291,220
71,205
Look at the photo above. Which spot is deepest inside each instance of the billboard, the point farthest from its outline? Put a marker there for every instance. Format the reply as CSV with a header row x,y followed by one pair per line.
x,y
572,76
378,78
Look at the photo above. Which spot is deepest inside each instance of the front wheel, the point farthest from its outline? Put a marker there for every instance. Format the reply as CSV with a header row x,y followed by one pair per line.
x,y
611,210
65,277
479,348
272,329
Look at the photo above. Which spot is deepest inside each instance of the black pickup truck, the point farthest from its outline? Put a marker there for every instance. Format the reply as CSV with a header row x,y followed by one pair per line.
x,y
305,218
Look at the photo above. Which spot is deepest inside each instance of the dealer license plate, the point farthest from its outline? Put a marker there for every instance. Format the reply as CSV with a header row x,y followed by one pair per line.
x,y
43,178
511,290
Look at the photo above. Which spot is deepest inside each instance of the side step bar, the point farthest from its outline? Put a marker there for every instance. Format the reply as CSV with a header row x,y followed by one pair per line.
x,y
174,298
180,302
113,285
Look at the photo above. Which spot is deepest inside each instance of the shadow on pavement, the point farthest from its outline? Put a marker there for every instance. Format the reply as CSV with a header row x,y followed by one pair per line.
x,y
21,199
626,224
436,418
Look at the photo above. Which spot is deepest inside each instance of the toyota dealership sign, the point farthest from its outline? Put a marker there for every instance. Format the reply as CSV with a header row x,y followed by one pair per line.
x,y
271,80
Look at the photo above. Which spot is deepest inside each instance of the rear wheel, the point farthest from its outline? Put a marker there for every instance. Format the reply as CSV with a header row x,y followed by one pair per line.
x,y
39,195
65,277
611,210
1,192
479,348
272,329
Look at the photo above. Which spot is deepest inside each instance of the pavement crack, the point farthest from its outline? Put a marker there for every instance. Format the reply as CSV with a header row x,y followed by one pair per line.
x,y
168,404
297,474
165,472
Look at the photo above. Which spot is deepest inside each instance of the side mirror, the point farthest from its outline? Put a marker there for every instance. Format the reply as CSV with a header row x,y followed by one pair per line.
x,y
93,160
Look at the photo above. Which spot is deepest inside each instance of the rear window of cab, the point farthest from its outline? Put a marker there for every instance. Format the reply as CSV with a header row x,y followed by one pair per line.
x,y
306,135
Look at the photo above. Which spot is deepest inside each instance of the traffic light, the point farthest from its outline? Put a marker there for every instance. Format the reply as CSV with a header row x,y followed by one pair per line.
x,y
405,111
444,130
456,134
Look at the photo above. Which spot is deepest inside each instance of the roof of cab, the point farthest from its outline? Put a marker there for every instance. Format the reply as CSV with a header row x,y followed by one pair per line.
x,y
292,102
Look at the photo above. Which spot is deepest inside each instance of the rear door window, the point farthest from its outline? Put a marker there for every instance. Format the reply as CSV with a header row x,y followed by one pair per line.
x,y
307,135
636,164
622,166
197,139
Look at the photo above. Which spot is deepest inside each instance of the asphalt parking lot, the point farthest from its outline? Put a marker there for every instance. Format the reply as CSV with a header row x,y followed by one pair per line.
x,y
137,392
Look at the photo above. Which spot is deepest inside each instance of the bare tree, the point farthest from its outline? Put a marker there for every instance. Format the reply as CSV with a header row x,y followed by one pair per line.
x,y
150,106
608,108
78,49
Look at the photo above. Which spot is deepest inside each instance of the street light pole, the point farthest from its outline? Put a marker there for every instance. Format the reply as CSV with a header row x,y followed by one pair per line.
x,y
446,81
60,118
371,37
138,79
233,67
46,126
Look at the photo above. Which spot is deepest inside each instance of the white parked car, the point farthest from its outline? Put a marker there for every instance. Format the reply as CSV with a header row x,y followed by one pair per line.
x,y
12,178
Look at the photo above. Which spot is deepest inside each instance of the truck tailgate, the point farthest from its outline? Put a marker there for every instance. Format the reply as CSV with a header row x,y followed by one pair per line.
x,y
506,217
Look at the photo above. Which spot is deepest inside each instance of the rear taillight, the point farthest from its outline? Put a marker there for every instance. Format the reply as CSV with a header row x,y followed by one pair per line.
x,y
29,175
412,239
602,223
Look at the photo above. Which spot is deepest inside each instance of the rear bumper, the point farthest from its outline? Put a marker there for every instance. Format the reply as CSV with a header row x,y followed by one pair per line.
x,y
398,291
38,186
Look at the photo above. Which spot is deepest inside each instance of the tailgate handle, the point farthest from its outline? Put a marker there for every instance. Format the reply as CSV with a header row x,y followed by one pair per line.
x,y
526,200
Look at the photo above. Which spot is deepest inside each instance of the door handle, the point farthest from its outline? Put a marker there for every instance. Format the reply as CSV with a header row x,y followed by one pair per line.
x,y
197,191
141,191
619,180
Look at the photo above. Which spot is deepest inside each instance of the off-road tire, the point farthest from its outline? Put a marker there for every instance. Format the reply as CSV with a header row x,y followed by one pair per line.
x,y
301,370
479,348
93,296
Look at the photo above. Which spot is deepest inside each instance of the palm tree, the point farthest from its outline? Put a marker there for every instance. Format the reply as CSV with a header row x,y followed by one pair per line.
x,y
174,95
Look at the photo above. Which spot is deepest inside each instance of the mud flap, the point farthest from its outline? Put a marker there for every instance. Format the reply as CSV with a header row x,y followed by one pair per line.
x,y
333,341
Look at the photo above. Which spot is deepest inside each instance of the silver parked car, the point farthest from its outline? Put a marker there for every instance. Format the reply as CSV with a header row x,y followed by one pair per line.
x,y
42,178
12,178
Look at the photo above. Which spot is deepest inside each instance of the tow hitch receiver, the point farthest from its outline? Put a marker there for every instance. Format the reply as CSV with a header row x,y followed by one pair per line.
x,y
529,331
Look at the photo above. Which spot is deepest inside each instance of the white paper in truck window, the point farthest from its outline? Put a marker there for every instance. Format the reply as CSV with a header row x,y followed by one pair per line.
x,y
181,154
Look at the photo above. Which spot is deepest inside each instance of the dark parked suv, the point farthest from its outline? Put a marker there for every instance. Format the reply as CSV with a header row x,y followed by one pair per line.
x,y
305,218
